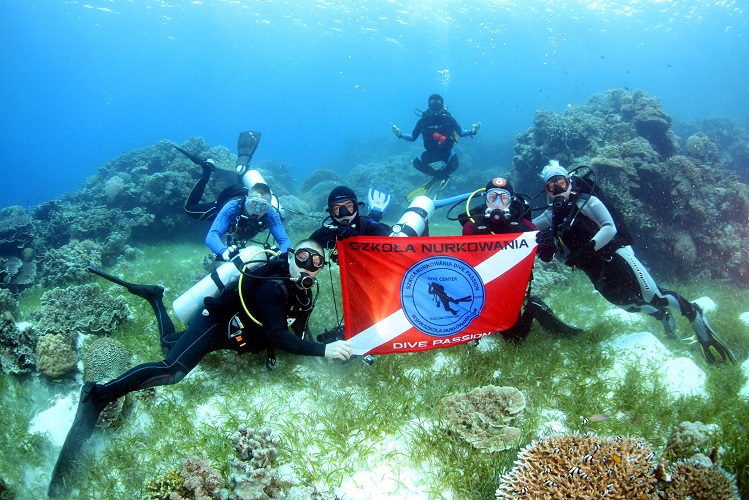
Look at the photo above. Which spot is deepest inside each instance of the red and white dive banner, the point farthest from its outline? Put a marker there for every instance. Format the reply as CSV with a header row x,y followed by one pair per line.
x,y
415,294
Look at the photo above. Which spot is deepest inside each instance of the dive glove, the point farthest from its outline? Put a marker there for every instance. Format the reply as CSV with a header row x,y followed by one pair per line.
x,y
229,253
346,232
546,246
377,203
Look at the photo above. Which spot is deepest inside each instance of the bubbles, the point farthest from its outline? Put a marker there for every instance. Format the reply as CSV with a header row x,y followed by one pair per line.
x,y
443,78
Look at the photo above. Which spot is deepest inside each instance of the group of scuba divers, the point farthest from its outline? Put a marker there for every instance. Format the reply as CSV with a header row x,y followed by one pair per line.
x,y
268,297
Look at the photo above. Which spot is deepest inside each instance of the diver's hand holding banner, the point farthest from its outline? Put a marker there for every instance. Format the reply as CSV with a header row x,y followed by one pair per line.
x,y
420,293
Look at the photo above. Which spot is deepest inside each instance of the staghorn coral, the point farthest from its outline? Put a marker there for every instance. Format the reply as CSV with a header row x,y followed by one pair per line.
x,y
55,356
576,466
690,438
81,309
483,416
202,481
253,475
167,486
692,479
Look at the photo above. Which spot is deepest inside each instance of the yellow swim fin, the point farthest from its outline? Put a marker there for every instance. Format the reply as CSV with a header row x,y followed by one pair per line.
x,y
422,189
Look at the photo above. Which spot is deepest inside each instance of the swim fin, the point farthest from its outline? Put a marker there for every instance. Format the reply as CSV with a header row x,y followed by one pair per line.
x,y
82,428
711,345
422,189
546,318
197,160
246,146
148,292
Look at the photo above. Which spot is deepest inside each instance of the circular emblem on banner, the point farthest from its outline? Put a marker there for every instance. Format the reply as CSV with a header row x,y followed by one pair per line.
x,y
441,296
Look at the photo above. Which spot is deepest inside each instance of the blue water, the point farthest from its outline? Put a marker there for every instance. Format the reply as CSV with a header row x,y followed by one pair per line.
x,y
84,81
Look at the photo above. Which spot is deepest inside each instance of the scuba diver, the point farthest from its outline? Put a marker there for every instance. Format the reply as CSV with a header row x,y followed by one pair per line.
x,y
440,132
246,146
250,315
505,212
582,233
241,219
345,221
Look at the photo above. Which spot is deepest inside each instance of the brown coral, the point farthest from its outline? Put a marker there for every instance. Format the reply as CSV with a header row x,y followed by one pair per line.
x,y
201,480
55,356
483,416
576,466
691,479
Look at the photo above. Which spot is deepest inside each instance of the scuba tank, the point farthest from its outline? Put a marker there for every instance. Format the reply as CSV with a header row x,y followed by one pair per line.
x,y
187,304
415,218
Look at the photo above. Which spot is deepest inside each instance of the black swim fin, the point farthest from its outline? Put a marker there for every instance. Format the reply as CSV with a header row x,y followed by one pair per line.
x,y
83,426
246,146
197,160
148,292
546,318
712,347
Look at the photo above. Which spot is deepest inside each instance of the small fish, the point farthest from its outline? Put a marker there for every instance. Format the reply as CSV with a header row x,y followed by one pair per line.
x,y
598,417
617,459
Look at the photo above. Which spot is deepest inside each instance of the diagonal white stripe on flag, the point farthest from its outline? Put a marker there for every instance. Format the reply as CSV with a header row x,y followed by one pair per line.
x,y
396,324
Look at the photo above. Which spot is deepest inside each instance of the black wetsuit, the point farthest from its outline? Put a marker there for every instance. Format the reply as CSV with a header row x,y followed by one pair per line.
x,y
208,210
269,301
364,226
443,124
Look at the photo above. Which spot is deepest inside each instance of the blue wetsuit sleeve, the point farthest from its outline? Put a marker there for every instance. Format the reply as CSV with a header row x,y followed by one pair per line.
x,y
225,218
272,315
277,230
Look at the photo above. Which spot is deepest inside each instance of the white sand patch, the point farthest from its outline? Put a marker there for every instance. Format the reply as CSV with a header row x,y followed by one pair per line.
x,y
681,375
744,318
626,316
552,423
744,393
55,422
707,304
385,481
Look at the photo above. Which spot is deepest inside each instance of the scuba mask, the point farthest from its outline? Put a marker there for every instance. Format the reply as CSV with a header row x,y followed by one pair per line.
x,y
498,204
344,208
309,259
255,206
557,185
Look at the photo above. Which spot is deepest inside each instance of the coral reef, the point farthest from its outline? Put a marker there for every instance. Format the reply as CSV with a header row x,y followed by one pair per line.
x,y
81,309
576,466
483,416
55,356
253,474
68,264
692,479
17,346
165,487
692,438
202,481
625,138
105,359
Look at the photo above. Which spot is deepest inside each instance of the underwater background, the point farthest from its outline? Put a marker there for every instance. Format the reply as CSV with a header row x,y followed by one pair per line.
x,y
650,95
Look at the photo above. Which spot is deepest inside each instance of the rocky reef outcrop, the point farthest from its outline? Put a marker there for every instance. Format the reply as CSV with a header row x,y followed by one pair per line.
x,y
687,211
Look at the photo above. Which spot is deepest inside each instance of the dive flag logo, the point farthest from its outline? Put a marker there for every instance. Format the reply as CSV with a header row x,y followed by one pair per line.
x,y
415,294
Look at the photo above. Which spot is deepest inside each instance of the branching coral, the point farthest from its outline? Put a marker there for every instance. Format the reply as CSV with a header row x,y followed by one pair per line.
x,y
253,474
202,481
483,416
575,466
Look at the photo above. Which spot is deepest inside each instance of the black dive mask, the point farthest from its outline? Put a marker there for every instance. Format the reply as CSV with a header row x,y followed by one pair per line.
x,y
309,259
